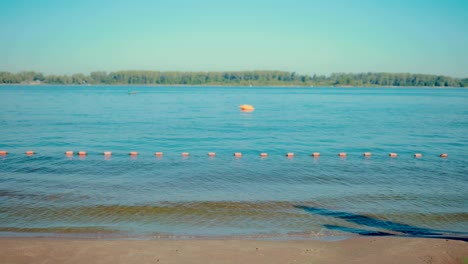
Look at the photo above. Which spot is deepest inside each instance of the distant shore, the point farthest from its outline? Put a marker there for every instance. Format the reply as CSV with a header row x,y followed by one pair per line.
x,y
354,250
237,78
237,86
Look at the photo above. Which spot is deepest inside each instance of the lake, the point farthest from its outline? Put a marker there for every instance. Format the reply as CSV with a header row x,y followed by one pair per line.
x,y
278,197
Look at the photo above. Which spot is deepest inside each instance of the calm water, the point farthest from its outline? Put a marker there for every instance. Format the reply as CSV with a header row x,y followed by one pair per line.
x,y
225,196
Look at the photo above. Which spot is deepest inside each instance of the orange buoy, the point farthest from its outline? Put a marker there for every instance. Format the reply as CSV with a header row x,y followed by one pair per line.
x,y
107,153
82,153
69,153
393,155
30,153
158,154
263,155
444,155
316,154
211,154
185,154
237,154
289,154
367,154
3,152
342,154
133,153
418,155
246,108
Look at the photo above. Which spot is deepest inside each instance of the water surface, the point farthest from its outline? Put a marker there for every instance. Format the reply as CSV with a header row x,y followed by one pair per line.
x,y
226,196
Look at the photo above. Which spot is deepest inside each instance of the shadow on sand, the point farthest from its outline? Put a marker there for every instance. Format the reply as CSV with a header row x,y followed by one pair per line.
x,y
396,229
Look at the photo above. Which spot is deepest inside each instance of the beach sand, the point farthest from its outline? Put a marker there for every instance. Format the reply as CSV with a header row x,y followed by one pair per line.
x,y
354,250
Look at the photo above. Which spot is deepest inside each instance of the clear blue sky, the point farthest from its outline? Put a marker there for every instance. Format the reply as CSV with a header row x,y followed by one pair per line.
x,y
306,36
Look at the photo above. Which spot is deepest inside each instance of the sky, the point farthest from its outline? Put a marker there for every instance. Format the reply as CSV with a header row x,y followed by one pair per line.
x,y
304,36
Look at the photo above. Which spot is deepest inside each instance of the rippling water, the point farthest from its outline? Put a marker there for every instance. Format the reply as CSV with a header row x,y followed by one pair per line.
x,y
226,196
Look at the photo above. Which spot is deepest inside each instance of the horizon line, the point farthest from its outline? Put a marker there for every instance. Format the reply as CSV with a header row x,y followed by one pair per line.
x,y
234,71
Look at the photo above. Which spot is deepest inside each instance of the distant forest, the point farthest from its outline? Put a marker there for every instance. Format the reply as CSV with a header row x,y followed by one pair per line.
x,y
245,78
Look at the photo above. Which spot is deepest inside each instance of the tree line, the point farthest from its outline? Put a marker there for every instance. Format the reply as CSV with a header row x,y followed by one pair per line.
x,y
254,78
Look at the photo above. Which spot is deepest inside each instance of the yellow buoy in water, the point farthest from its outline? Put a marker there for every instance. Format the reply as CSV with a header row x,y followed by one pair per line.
x,y
246,108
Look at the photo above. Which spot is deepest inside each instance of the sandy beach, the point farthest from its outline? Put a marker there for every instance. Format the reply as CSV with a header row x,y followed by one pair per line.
x,y
354,250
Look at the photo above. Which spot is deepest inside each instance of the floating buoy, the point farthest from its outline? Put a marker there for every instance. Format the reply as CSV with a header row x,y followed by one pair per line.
x,y
70,153
246,108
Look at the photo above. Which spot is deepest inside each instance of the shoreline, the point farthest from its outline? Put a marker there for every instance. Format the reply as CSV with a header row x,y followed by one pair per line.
x,y
117,235
228,86
352,250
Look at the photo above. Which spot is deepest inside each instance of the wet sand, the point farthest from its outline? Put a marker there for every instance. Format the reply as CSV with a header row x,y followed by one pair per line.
x,y
354,250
